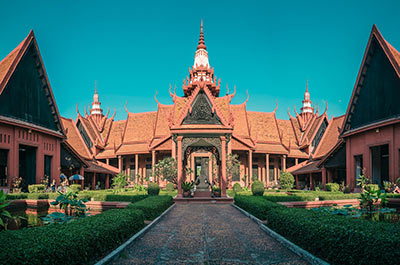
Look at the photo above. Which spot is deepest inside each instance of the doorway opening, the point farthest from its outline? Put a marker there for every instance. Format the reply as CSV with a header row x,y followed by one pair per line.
x,y
27,165
380,164
3,167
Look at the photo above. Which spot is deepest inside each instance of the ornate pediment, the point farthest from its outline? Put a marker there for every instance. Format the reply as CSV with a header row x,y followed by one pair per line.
x,y
201,111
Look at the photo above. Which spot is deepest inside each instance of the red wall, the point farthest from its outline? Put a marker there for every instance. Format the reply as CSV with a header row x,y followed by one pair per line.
x,y
46,145
359,144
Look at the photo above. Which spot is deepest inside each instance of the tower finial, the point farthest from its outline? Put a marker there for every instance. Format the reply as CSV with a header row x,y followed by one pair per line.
x,y
201,39
95,86
307,86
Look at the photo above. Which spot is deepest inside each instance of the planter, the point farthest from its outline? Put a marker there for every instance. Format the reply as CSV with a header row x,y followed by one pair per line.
x,y
186,194
217,193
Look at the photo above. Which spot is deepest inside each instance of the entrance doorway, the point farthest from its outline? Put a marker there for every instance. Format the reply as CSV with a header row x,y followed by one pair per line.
x,y
201,165
380,164
27,165
3,167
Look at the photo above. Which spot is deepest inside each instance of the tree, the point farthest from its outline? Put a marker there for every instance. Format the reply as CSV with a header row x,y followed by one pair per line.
x,y
119,181
232,166
167,169
286,180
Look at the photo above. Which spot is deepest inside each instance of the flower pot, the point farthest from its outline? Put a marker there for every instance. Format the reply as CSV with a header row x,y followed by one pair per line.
x,y
186,194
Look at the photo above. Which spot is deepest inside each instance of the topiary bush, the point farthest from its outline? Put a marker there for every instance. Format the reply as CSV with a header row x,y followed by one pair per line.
x,y
257,188
75,188
169,187
36,188
153,189
152,206
286,180
333,187
237,188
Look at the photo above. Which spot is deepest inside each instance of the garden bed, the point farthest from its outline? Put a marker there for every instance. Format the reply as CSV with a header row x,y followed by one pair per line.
x,y
336,239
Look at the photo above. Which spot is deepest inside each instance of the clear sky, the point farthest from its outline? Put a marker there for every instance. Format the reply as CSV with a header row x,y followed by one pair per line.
x,y
134,48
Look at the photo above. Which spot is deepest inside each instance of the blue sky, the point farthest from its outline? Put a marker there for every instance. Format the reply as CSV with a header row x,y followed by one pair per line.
x,y
134,48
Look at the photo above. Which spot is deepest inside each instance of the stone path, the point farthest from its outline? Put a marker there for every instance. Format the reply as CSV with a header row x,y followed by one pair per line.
x,y
207,234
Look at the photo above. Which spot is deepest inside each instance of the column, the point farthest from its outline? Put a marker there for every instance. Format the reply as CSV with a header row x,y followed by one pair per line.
x,y
82,173
297,182
173,148
136,167
276,169
283,163
120,163
179,165
328,176
267,169
223,166
250,166
296,161
94,181
128,167
324,177
311,183
107,161
107,181
153,162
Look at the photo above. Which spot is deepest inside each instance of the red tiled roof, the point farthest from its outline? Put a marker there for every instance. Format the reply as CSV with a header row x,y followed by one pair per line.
x,y
240,126
116,133
140,127
99,167
288,134
330,137
162,120
307,168
263,126
73,138
8,61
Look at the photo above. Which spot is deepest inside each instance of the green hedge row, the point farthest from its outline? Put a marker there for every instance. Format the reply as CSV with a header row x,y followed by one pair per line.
x,y
336,239
78,242
152,206
31,196
119,197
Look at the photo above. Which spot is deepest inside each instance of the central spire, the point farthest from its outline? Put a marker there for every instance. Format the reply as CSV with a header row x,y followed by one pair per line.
x,y
201,55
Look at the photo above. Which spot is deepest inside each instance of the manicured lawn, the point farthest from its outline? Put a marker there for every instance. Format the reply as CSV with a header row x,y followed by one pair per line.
x,y
336,239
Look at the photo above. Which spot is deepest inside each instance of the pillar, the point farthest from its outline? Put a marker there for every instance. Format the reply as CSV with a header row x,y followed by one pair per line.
x,y
250,166
120,164
311,182
128,167
179,165
136,167
82,173
267,168
297,182
324,177
173,148
223,166
276,169
153,162
283,163
107,181
328,176
94,181
107,161
296,161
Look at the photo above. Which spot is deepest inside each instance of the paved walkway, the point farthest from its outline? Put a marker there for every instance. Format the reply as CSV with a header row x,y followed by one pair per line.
x,y
207,234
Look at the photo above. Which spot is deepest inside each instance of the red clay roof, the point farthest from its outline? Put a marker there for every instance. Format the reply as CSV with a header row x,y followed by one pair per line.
x,y
330,137
263,126
140,127
73,138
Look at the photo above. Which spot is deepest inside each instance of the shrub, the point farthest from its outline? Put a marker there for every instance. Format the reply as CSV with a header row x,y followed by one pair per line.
x,y
75,188
286,180
372,187
237,187
118,197
77,242
333,187
169,187
283,197
153,189
119,181
257,188
36,188
327,197
336,239
152,206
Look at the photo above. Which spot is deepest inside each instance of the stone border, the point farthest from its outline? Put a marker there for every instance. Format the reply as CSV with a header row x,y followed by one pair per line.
x,y
293,247
116,253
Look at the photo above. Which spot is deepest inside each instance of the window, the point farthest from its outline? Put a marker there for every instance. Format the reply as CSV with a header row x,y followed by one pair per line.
x,y
358,165
47,167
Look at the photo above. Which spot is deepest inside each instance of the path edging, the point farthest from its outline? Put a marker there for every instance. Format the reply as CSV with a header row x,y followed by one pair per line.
x,y
116,253
290,245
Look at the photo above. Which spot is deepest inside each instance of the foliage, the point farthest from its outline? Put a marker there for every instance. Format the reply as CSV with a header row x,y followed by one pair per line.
x,y
388,186
75,187
257,188
371,187
187,186
70,202
79,242
215,188
232,165
362,181
169,187
121,197
4,214
237,187
371,199
152,206
119,181
153,189
17,183
45,181
167,168
286,180
333,187
36,188
335,239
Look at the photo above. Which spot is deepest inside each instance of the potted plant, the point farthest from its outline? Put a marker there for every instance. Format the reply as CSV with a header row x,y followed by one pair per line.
x,y
216,191
17,184
186,187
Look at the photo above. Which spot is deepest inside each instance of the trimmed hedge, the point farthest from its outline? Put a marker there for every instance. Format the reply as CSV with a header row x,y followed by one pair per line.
x,y
152,206
169,187
336,239
257,188
333,196
237,188
283,197
153,189
75,187
78,242
31,196
36,188
334,187
118,197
